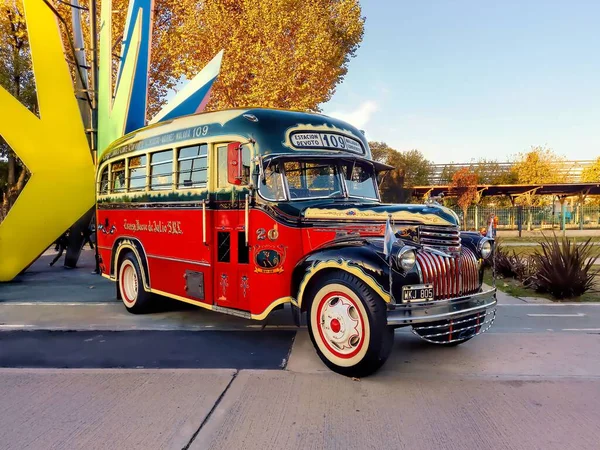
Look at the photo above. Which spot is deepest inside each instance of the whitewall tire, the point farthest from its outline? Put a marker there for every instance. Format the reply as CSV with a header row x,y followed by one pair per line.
x,y
347,325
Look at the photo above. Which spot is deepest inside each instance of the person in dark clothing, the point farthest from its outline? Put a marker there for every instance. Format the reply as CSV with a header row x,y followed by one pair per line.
x,y
61,246
87,237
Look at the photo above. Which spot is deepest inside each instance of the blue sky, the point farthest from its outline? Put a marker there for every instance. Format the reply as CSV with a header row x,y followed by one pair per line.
x,y
460,80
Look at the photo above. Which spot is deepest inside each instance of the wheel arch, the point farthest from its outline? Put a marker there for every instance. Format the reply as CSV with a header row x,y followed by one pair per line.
x,y
317,266
121,247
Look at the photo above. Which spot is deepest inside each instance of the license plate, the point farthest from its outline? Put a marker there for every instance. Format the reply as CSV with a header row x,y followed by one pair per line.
x,y
417,293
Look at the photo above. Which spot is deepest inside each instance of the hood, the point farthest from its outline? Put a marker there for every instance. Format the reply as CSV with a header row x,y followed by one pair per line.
x,y
417,214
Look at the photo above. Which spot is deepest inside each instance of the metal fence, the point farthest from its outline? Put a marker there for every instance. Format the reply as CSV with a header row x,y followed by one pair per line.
x,y
531,218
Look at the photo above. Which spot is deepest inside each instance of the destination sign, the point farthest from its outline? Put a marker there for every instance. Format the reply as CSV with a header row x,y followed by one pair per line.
x,y
329,141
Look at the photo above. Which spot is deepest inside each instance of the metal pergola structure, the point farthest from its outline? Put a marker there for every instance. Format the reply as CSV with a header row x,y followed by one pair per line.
x,y
514,191
571,169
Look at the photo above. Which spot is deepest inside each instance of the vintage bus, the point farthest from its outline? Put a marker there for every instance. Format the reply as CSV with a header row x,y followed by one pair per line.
x,y
243,211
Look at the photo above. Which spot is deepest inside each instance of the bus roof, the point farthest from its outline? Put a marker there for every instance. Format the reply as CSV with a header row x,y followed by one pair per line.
x,y
275,131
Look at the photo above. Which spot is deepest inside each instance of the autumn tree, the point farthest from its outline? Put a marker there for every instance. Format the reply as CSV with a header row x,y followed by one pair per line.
x,y
539,165
281,53
492,172
411,169
591,174
464,187
16,76
447,173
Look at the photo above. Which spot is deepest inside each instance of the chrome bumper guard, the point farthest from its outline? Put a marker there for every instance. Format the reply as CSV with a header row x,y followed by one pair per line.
x,y
451,309
456,330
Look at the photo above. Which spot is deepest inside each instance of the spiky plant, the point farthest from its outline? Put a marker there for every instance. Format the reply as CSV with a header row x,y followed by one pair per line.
x,y
513,265
564,269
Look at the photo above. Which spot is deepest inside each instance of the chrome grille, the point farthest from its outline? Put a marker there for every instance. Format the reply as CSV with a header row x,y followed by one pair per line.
x,y
451,276
442,238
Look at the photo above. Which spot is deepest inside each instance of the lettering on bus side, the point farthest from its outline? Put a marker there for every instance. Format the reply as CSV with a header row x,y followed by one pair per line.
x,y
161,139
155,226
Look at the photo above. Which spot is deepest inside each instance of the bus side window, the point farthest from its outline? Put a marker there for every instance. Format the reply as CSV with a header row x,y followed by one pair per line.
x,y
161,170
104,181
222,167
137,173
192,166
118,176
245,164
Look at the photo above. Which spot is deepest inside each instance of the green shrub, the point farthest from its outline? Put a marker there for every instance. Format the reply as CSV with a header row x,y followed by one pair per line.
x,y
563,268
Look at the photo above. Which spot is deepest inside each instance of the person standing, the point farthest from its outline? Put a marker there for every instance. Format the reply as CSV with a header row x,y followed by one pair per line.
x,y
490,231
61,246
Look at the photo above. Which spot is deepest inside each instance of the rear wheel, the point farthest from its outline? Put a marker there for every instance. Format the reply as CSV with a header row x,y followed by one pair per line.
x,y
131,286
348,326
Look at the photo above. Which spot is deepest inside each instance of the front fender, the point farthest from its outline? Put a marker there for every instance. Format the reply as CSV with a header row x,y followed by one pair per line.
x,y
473,240
358,259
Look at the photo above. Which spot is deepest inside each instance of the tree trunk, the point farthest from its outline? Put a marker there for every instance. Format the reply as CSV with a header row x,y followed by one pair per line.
x,y
13,192
12,170
21,181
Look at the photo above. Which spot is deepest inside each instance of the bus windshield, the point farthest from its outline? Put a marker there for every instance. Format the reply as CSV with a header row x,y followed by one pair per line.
x,y
329,179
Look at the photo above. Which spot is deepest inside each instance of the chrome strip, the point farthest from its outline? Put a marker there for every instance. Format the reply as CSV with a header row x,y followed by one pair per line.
x,y
474,278
431,270
187,261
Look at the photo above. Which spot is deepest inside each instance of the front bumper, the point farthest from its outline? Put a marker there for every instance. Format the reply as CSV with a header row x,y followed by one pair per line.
x,y
412,313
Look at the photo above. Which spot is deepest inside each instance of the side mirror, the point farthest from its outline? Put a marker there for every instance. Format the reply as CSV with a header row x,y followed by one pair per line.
x,y
234,163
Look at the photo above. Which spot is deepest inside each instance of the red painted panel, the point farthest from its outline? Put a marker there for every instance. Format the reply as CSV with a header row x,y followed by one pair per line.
x,y
172,240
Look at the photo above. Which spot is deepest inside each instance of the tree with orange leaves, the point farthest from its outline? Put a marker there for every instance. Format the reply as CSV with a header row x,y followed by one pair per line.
x,y
464,186
281,53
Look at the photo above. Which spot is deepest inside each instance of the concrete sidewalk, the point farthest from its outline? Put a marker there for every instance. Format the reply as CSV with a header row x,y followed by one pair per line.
x,y
520,391
41,283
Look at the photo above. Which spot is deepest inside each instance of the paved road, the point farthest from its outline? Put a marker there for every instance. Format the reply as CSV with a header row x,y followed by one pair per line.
x,y
512,317
146,349
532,382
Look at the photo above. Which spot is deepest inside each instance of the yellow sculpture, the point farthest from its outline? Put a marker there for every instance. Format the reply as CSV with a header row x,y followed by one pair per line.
x,y
53,147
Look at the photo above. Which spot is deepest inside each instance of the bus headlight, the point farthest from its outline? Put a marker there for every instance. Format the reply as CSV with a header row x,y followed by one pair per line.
x,y
406,258
486,248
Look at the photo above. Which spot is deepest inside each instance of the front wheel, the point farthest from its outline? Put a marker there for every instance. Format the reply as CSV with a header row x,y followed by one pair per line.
x,y
348,326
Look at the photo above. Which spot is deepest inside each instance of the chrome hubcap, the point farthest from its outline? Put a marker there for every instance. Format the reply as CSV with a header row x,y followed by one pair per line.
x,y
341,324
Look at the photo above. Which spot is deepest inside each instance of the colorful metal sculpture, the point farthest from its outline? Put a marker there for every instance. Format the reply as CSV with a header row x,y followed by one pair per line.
x,y
54,146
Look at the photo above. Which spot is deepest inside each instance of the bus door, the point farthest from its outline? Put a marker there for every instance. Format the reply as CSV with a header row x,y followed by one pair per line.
x,y
232,256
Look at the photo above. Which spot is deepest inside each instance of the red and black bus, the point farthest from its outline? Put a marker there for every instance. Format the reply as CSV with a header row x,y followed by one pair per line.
x,y
243,211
